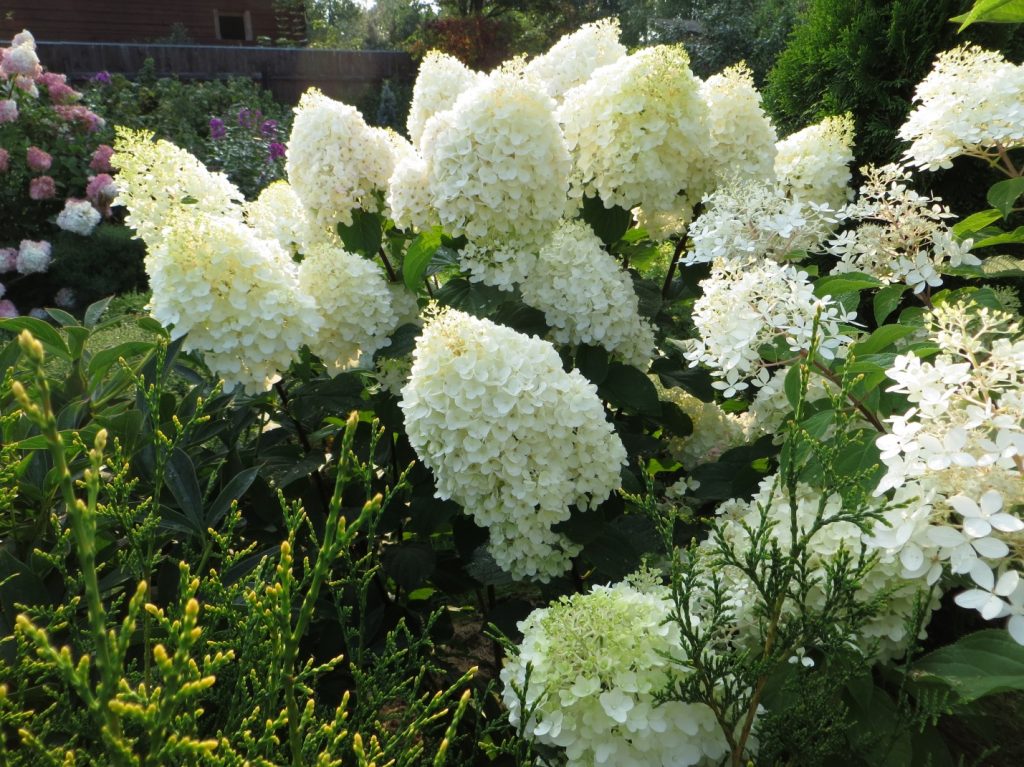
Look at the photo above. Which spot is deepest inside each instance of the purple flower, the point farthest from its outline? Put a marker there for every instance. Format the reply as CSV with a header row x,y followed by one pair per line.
x,y
248,118
103,78
276,151
269,128
217,128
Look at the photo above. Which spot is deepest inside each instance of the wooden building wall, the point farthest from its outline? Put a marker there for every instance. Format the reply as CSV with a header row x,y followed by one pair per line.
x,y
131,20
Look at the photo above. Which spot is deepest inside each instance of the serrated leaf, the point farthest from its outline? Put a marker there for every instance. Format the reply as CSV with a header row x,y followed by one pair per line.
x,y
417,258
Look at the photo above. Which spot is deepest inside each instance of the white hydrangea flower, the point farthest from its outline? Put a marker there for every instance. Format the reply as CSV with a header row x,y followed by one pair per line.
x,y
970,103
439,82
814,164
597,660
510,436
336,162
745,306
498,173
34,257
572,60
587,298
901,236
353,302
749,220
157,180
965,426
887,628
79,217
409,200
638,131
278,214
742,136
714,430
233,296
962,441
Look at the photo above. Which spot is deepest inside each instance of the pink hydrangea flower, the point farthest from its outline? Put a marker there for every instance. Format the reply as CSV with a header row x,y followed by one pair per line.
x,y
8,259
27,83
42,188
8,110
5,160
58,89
34,256
100,161
101,191
8,310
38,160
21,60
76,113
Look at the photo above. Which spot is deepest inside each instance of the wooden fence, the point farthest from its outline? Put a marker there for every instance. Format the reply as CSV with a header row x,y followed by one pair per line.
x,y
287,72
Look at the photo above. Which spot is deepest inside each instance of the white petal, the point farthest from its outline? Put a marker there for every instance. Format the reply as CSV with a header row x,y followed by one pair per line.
x,y
912,558
972,599
981,574
964,506
977,527
1016,628
991,502
993,548
1007,583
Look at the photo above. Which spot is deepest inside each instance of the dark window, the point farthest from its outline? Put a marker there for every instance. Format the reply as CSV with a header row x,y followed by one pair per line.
x,y
232,27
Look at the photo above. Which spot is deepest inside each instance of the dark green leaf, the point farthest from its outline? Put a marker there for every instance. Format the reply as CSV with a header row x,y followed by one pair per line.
x,y
979,664
102,360
791,384
1003,195
181,479
62,317
1006,238
403,341
365,234
609,224
592,362
881,339
43,331
886,300
627,388
417,258
472,297
848,282
675,419
409,564
992,11
95,311
232,491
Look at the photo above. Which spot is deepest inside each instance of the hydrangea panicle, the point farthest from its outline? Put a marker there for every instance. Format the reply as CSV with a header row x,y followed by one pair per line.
x,y
813,164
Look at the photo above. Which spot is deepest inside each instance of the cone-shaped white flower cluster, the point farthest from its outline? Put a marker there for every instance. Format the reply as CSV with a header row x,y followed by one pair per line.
x,y
587,298
903,237
498,173
234,296
336,162
638,130
742,137
814,164
972,102
354,304
572,60
751,221
737,517
510,436
278,214
156,180
597,661
960,447
745,306
439,82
